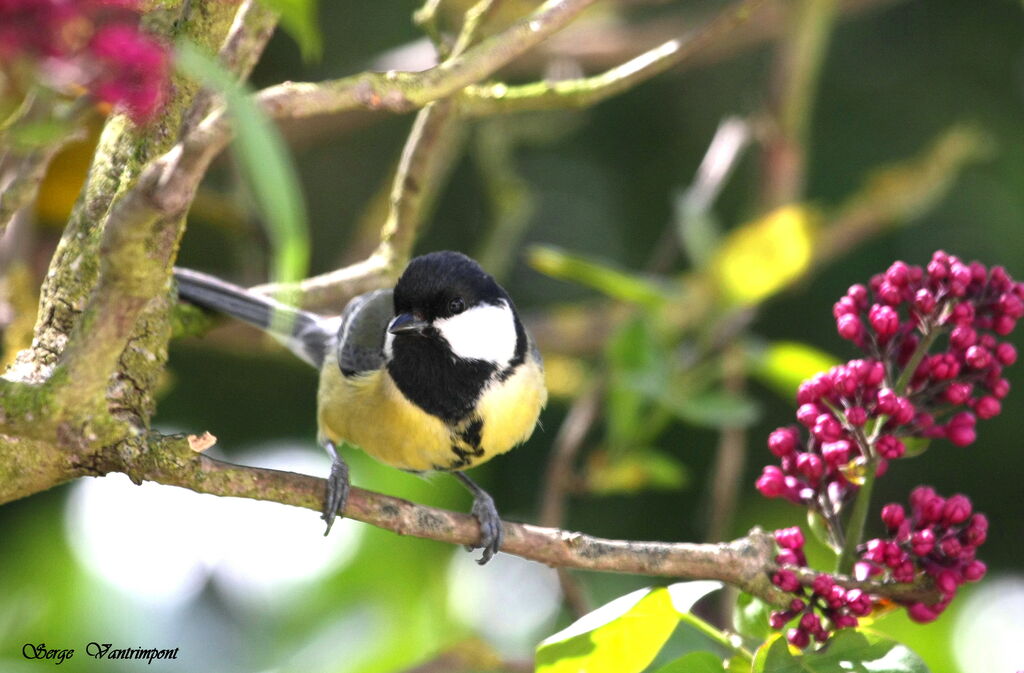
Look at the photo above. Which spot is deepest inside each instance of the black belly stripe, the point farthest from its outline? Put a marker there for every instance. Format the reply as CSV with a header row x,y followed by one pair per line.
x,y
466,444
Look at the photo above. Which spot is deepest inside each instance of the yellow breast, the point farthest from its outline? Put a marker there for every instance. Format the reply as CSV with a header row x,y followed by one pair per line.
x,y
370,412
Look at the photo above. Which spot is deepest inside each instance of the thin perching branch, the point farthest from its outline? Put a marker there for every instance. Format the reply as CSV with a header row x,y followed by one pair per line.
x,y
746,563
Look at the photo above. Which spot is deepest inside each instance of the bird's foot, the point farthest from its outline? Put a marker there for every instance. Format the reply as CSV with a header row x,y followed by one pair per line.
x,y
491,532
337,489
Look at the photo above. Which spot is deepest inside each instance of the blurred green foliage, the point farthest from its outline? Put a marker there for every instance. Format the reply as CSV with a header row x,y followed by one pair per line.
x,y
599,184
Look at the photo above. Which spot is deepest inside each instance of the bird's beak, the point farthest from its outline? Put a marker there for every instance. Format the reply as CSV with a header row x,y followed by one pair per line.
x,y
407,323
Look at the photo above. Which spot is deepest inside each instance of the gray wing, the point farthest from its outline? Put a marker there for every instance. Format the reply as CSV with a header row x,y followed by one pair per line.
x,y
361,335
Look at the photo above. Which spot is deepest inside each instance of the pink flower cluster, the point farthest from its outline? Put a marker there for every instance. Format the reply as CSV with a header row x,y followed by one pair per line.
x,y
932,367
819,609
940,537
91,44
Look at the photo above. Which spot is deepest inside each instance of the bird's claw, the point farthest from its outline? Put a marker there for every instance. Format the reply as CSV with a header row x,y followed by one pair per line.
x,y
337,492
491,532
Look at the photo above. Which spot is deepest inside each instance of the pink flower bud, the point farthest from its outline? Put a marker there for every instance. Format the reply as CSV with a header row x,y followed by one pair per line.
x,y
789,538
826,428
893,515
963,314
858,602
988,407
810,622
963,337
822,585
921,613
904,411
947,582
889,293
905,573
811,466
1000,388
930,510
836,453
951,547
943,367
845,306
797,605
856,416
771,483
961,435
977,357
1009,304
964,418
886,402
1006,353
876,374
1004,324
798,638
859,294
836,597
922,542
958,392
778,619
808,413
786,580
890,447
782,441
884,320
849,327
924,301
898,273
974,571
956,510
960,273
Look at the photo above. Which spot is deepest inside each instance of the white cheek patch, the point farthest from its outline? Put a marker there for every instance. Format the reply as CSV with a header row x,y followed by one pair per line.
x,y
389,347
486,332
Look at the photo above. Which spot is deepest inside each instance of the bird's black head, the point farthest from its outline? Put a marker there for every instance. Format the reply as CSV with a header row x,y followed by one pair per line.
x,y
443,284
455,329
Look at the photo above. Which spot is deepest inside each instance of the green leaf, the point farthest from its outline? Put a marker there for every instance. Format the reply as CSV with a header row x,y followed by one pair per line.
x,y
694,662
750,618
712,409
633,353
623,636
850,651
819,528
915,446
738,664
299,18
783,365
616,284
35,134
265,162
772,655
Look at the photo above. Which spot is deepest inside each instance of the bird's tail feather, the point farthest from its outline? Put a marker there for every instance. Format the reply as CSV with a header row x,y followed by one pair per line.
x,y
305,334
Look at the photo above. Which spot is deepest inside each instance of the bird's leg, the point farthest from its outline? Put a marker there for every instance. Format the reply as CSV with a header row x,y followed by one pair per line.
x,y
337,487
485,512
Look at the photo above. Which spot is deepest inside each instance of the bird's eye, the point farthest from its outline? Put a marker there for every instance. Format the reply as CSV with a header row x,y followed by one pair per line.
x,y
456,306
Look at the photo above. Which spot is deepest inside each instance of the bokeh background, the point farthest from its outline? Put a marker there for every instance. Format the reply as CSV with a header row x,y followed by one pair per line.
x,y
931,87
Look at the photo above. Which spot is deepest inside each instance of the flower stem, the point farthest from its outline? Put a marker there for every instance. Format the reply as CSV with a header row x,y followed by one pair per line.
x,y
720,637
859,516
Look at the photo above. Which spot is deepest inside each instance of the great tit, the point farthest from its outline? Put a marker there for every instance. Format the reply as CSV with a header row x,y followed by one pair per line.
x,y
437,374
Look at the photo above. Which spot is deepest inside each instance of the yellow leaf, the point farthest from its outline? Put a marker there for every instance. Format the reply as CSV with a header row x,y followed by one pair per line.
x,y
623,636
764,256
785,364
